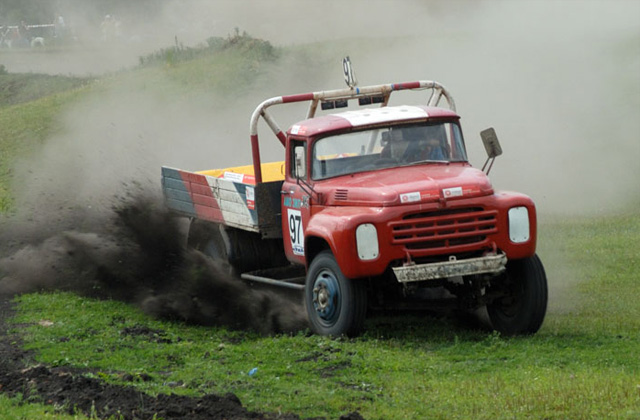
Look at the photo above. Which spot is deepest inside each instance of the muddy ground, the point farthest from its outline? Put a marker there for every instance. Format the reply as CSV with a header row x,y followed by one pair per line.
x,y
71,390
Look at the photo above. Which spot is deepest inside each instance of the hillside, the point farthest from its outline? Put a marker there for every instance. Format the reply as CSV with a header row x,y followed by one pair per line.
x,y
33,107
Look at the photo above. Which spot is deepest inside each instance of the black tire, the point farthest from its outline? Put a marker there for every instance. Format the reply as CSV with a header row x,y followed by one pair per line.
x,y
243,251
210,239
248,251
336,305
522,309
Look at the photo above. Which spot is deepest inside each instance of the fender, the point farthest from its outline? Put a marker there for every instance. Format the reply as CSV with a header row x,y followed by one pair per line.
x,y
337,226
503,201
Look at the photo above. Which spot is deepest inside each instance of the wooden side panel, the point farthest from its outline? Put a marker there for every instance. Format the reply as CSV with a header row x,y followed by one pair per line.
x,y
210,198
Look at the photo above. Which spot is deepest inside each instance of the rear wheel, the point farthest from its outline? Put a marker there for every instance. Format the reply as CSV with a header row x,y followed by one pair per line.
x,y
523,306
336,305
243,251
209,238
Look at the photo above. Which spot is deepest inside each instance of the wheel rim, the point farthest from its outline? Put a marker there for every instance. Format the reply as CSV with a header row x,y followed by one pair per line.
x,y
326,297
510,304
509,307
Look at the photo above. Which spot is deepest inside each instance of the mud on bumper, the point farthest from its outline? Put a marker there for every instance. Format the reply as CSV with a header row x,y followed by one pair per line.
x,y
493,264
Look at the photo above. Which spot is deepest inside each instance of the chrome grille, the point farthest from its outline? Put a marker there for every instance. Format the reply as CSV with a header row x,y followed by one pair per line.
x,y
444,229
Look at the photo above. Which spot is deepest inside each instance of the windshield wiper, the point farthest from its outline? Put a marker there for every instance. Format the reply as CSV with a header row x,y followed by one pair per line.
x,y
426,161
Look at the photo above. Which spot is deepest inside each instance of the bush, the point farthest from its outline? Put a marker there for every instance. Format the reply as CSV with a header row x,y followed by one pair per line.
x,y
259,49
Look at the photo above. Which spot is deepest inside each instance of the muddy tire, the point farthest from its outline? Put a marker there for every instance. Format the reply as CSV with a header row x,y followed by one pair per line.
x,y
208,238
336,305
243,251
523,307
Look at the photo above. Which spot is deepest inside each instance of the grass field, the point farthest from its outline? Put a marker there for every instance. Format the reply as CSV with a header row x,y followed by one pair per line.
x,y
583,364
23,128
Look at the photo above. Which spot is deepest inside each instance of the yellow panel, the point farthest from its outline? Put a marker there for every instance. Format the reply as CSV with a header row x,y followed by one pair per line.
x,y
272,171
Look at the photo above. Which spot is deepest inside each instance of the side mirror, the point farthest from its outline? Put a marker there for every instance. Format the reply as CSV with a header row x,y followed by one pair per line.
x,y
300,162
491,145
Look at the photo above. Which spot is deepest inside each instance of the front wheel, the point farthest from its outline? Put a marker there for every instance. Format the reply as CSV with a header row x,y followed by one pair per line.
x,y
336,305
523,305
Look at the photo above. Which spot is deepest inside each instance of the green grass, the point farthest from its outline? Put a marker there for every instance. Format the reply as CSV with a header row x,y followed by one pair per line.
x,y
15,409
602,252
582,364
17,88
23,129
204,79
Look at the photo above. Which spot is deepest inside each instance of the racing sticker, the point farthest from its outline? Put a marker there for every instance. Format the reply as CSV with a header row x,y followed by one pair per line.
x,y
452,192
298,129
233,177
296,232
410,197
251,197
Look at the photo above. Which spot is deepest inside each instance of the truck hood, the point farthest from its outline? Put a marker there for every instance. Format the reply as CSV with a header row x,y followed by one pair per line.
x,y
403,185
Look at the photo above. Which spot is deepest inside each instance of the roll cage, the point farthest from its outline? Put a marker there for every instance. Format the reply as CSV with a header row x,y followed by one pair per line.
x,y
368,95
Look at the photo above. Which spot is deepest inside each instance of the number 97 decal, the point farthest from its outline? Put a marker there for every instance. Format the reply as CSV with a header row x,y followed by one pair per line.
x,y
296,232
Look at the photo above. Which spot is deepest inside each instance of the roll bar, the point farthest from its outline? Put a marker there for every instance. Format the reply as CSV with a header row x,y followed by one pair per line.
x,y
380,93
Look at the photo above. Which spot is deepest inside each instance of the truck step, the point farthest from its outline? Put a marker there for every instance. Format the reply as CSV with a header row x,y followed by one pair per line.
x,y
290,277
289,283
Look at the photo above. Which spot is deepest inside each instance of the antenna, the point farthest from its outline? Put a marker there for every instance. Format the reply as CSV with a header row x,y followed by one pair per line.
x,y
349,75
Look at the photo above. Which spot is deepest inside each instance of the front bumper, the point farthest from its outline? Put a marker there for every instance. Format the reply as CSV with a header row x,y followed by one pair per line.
x,y
493,264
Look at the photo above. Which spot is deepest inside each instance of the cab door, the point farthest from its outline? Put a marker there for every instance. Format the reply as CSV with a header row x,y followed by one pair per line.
x,y
295,201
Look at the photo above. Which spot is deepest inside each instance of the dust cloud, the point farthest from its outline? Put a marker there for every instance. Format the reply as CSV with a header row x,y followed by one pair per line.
x,y
136,255
558,82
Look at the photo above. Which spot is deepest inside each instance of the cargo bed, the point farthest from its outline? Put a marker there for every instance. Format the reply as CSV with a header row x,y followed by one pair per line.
x,y
229,196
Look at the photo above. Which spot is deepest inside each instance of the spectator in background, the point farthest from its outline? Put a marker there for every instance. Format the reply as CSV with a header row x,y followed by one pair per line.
x,y
117,28
3,34
24,34
59,27
108,28
12,37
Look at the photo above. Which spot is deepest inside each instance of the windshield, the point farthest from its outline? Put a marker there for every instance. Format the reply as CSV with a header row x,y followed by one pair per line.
x,y
386,148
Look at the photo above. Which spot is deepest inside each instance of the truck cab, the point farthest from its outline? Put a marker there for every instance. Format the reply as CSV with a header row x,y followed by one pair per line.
x,y
389,192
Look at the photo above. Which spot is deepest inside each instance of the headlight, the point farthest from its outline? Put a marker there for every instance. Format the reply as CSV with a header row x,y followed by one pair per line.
x,y
519,225
367,242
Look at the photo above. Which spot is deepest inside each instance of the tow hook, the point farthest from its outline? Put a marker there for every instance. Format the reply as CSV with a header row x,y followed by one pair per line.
x,y
409,262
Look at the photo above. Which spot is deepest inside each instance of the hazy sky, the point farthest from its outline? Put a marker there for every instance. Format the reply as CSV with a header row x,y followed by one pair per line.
x,y
559,81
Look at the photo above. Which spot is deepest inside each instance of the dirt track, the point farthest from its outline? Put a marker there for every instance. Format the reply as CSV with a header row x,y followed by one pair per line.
x,y
70,389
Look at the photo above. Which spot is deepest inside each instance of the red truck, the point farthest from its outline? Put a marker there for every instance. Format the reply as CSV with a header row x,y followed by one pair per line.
x,y
376,207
